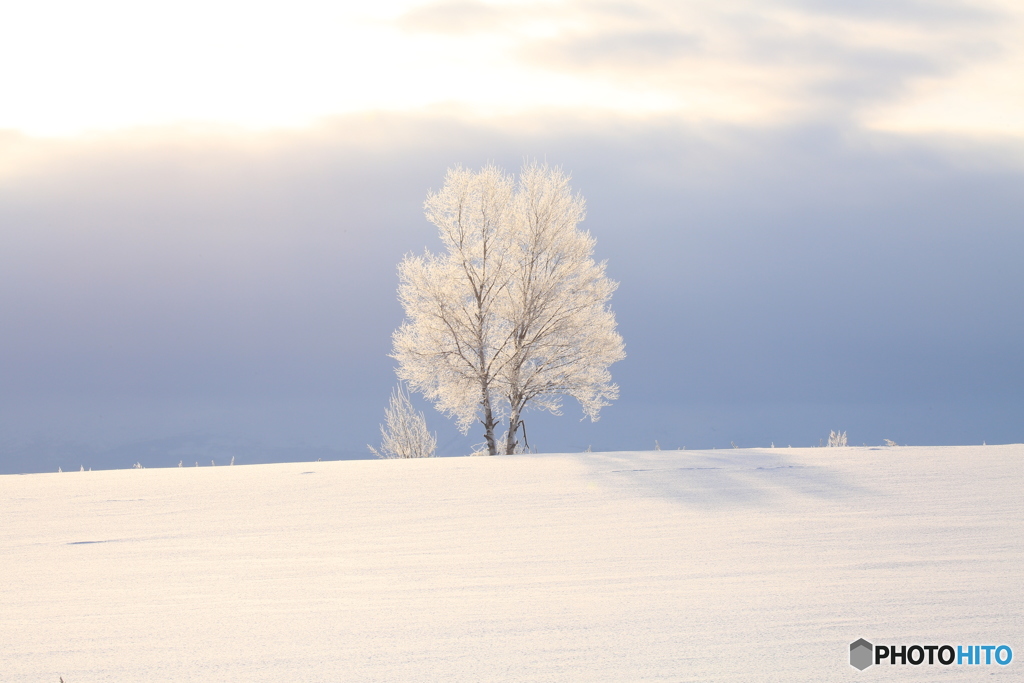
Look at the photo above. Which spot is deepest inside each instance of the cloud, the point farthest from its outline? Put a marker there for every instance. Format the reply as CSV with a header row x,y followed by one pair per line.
x,y
905,65
625,50
754,62
909,11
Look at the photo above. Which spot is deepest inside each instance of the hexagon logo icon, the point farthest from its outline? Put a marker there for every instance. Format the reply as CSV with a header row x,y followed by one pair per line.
x,y
860,654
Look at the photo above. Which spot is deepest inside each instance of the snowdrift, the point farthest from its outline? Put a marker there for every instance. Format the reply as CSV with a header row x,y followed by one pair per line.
x,y
735,565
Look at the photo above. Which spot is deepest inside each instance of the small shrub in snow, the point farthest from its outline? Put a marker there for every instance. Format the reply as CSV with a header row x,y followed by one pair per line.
x,y
890,443
836,439
406,434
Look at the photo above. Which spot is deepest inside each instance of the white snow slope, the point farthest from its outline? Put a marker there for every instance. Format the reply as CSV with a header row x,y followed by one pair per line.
x,y
740,565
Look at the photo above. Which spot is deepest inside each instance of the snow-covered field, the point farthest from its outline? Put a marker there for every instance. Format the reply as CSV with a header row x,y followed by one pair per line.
x,y
739,565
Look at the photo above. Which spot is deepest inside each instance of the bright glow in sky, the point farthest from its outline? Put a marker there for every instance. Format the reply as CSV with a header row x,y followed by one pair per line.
x,y
68,67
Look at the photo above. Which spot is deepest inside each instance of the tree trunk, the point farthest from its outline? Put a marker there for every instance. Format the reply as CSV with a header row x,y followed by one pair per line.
x,y
489,424
513,429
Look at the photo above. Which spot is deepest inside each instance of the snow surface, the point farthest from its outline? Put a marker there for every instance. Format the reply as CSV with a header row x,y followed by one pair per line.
x,y
739,565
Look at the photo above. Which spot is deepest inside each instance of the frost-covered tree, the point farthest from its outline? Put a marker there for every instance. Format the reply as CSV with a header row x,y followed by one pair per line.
x,y
836,439
515,314
406,434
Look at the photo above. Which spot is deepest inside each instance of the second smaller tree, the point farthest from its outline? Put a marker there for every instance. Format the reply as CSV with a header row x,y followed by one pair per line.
x,y
406,434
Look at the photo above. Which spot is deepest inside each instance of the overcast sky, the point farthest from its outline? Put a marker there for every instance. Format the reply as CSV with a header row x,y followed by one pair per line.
x,y
814,211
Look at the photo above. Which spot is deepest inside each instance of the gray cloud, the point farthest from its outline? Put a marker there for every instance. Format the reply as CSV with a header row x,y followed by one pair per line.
x,y
831,56
909,11
180,292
